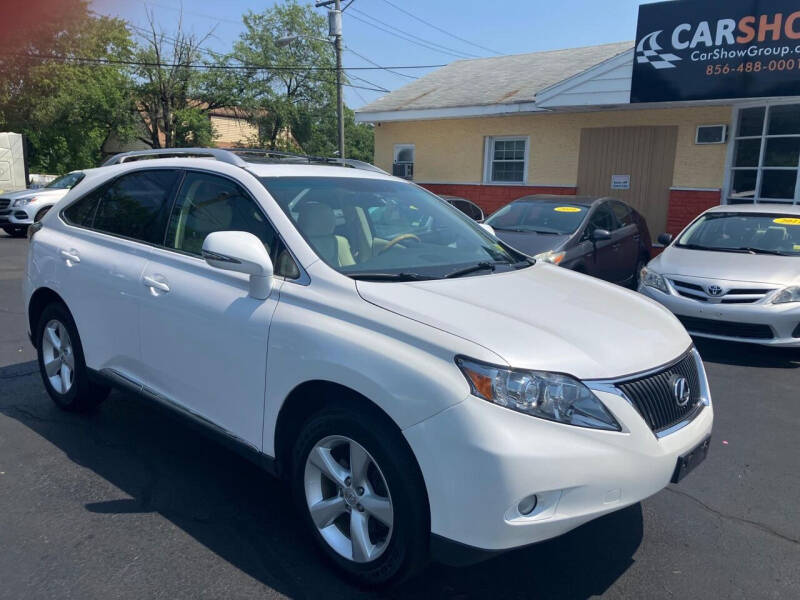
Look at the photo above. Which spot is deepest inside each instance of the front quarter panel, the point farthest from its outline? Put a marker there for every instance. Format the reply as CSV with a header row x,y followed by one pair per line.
x,y
326,332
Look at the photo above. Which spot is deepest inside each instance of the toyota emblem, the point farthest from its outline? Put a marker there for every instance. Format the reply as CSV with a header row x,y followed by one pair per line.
x,y
681,390
714,290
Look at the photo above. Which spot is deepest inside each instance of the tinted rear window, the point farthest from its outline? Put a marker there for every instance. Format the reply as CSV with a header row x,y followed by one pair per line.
x,y
136,205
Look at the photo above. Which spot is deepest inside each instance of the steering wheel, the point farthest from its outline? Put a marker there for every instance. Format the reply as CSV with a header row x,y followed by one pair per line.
x,y
400,238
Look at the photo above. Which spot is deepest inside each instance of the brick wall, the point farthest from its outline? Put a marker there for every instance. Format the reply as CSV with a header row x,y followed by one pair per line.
x,y
492,197
685,205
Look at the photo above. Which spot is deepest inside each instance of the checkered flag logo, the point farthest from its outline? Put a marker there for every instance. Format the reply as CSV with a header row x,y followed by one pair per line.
x,y
649,51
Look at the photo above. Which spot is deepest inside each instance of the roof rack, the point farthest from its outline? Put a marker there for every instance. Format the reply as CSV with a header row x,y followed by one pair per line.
x,y
219,154
233,156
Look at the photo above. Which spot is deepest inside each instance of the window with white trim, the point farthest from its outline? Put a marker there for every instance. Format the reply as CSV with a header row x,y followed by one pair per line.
x,y
506,160
403,165
765,159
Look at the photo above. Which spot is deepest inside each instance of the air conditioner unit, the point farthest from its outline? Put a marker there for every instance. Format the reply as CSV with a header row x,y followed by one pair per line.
x,y
404,170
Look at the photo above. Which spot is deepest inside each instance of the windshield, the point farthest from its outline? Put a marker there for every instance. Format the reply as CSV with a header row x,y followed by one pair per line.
x,y
560,218
744,232
65,182
382,229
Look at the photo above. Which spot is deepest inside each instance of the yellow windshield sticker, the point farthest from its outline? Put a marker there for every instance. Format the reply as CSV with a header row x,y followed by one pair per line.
x,y
570,209
786,221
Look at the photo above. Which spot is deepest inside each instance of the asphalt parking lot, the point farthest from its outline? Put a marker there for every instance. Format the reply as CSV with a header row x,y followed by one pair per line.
x,y
130,503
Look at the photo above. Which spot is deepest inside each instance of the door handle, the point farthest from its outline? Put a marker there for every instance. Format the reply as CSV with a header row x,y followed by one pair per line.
x,y
71,256
615,246
155,284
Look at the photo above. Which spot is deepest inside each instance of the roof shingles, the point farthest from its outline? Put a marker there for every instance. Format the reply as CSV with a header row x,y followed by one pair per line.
x,y
497,80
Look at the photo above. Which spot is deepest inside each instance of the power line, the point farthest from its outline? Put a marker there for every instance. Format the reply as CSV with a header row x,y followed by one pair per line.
x,y
373,63
454,51
437,28
111,62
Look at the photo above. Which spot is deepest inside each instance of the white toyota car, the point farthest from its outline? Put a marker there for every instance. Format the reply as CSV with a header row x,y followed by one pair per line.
x,y
734,274
425,389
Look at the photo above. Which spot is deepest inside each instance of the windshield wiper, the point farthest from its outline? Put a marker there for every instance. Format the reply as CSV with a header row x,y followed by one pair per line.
x,y
389,276
710,249
764,251
481,266
517,229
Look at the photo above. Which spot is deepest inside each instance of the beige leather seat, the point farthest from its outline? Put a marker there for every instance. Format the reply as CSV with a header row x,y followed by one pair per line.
x,y
317,222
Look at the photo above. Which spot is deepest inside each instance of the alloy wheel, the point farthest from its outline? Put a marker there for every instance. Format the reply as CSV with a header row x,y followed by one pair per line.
x,y
348,499
58,356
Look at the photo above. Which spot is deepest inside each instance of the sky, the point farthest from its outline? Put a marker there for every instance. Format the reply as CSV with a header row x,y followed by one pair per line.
x,y
485,28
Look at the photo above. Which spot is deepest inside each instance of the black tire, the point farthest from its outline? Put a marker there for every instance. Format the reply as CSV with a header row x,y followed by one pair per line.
x,y
41,214
408,547
16,231
84,393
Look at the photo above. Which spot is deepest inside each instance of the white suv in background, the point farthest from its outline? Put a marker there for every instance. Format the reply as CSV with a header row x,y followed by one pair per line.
x,y
427,391
19,209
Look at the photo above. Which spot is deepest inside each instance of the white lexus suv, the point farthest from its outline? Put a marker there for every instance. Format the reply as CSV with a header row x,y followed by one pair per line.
x,y
425,390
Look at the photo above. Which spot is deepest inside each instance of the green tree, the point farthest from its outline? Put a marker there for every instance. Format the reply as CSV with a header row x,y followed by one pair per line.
x,y
68,106
173,95
284,100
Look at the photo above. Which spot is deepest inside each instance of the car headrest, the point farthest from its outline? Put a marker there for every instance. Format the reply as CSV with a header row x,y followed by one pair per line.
x,y
316,220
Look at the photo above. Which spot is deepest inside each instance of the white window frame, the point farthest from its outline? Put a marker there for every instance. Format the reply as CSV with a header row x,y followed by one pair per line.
x,y
724,134
398,148
488,156
734,135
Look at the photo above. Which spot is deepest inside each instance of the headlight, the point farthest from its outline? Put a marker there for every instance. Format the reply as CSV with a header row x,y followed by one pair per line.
x,y
551,257
550,396
653,280
786,295
24,201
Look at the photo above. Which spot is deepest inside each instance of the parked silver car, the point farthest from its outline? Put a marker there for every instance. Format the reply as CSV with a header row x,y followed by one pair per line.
x,y
733,274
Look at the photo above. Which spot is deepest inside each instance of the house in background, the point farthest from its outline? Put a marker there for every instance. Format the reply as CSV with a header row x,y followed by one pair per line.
x,y
660,124
230,126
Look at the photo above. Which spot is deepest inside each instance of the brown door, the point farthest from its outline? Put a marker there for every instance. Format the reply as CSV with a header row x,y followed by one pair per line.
x,y
639,158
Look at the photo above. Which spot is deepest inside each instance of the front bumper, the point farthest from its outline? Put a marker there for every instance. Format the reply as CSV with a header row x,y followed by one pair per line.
x,y
19,215
479,460
782,319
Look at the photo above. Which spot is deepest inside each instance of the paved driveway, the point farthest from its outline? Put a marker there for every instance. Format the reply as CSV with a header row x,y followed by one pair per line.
x,y
130,503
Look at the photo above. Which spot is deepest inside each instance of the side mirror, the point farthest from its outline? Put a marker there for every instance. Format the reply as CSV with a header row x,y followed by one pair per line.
x,y
665,239
487,227
598,235
244,253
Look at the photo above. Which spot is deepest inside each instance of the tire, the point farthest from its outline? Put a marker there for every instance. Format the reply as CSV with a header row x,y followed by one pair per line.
x,y
640,264
41,214
394,491
16,231
61,362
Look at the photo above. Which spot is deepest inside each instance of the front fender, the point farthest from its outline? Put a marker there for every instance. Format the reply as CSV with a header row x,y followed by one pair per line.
x,y
406,368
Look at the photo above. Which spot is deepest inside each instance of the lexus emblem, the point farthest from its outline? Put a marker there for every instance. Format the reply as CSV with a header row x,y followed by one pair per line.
x,y
681,390
714,290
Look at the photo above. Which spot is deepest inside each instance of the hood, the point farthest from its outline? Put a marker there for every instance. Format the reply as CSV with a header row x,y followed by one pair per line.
x,y
543,318
37,192
728,266
531,243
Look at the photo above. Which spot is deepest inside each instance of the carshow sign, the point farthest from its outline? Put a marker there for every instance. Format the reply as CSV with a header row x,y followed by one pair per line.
x,y
716,49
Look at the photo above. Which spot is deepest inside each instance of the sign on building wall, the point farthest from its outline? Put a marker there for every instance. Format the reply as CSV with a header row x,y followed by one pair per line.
x,y
620,182
710,49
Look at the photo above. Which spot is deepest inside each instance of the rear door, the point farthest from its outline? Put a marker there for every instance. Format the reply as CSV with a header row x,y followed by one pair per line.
x,y
101,261
204,339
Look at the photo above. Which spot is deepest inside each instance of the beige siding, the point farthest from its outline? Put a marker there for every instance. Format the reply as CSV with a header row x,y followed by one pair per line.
x,y
230,131
451,150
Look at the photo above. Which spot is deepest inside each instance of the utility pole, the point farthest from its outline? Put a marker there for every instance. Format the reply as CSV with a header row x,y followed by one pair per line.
x,y
335,31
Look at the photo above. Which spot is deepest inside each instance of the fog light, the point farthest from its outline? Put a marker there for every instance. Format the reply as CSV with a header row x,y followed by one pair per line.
x,y
526,505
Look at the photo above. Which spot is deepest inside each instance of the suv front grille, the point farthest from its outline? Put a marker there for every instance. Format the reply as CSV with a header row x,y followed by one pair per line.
x,y
4,202
654,398
753,331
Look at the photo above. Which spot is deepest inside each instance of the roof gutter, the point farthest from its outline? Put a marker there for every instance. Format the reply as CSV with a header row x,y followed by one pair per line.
x,y
454,112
